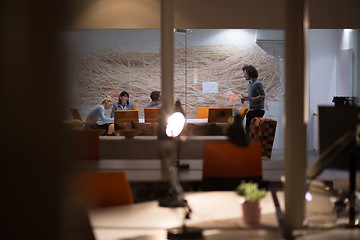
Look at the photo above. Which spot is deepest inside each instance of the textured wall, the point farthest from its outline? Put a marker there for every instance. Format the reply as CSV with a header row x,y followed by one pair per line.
x,y
108,71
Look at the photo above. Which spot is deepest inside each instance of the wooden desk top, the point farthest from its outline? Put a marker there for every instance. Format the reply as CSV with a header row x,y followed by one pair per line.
x,y
211,211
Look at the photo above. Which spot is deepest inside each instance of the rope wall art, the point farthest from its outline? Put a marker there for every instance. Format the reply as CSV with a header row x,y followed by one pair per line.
x,y
105,71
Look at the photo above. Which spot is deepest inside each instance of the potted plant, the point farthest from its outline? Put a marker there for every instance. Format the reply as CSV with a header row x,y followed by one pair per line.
x,y
251,204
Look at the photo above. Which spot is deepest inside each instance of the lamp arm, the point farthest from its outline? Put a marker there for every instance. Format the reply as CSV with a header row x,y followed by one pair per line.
x,y
339,147
168,159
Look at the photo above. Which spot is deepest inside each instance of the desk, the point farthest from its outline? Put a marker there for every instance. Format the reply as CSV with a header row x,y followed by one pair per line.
x,y
218,213
149,170
149,147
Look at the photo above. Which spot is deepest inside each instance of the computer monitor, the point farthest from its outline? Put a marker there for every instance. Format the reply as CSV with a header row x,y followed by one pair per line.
x,y
337,142
121,116
152,115
219,115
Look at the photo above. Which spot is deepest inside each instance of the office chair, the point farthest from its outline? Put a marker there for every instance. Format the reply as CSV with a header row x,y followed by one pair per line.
x,y
225,164
76,114
152,115
263,130
243,113
101,189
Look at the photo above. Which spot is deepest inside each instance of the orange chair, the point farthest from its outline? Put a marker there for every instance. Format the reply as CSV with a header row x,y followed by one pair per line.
x,y
76,114
203,112
219,115
126,116
263,130
135,106
101,189
152,115
243,113
225,164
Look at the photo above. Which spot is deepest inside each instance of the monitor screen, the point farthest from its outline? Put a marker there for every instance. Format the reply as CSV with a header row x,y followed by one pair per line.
x,y
219,115
337,144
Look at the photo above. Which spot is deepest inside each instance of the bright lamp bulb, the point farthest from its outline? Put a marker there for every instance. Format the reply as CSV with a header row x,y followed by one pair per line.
x,y
308,197
175,124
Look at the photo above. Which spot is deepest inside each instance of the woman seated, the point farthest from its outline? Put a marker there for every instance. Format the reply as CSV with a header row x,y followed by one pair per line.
x,y
96,118
123,104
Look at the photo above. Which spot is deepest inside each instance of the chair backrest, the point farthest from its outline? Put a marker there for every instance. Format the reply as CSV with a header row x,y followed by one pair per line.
x,y
84,144
203,112
225,164
152,115
76,114
126,116
263,130
243,113
219,115
135,106
102,189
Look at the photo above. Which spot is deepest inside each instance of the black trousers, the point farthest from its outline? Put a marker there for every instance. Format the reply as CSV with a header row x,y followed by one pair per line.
x,y
104,126
250,115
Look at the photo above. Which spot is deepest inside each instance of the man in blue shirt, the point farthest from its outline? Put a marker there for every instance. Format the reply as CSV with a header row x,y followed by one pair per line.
x,y
155,100
256,95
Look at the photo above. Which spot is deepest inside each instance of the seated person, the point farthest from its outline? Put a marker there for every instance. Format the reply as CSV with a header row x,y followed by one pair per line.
x,y
155,100
97,115
123,104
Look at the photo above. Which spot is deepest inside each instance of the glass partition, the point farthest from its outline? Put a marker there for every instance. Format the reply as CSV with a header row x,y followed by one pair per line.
x,y
207,67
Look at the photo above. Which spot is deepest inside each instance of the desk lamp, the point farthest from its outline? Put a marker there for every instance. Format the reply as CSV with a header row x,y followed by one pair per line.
x,y
169,155
175,125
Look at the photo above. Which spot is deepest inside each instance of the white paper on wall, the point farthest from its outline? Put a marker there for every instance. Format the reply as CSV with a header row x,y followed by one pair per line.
x,y
210,87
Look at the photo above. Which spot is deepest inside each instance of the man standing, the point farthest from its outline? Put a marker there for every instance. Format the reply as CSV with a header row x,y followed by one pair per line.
x,y
256,95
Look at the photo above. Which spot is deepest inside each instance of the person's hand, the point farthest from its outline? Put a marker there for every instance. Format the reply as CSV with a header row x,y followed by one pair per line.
x,y
243,99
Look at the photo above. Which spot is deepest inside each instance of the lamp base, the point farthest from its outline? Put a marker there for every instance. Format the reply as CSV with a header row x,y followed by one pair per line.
x,y
172,203
184,233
